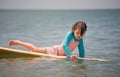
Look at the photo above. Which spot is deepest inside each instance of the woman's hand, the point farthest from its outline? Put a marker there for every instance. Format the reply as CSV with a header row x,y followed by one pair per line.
x,y
72,57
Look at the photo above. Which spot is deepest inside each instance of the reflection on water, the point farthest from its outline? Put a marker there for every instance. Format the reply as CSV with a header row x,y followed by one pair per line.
x,y
23,67
51,67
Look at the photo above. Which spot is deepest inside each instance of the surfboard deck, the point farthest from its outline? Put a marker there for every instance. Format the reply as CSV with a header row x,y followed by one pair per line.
x,y
15,53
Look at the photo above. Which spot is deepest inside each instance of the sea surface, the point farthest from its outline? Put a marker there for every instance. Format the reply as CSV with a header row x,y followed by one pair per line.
x,y
49,27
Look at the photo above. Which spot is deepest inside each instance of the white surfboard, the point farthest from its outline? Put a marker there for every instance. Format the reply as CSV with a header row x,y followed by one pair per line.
x,y
14,53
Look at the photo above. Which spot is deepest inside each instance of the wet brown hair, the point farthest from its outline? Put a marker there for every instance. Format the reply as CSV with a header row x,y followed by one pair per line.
x,y
80,25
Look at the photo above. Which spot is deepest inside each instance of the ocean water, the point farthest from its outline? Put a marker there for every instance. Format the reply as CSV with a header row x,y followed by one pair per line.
x,y
49,27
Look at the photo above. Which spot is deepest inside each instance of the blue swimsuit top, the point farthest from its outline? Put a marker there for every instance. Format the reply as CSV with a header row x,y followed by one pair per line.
x,y
68,38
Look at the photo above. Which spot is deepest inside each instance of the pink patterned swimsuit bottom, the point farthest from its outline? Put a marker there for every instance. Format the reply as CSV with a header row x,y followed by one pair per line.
x,y
54,50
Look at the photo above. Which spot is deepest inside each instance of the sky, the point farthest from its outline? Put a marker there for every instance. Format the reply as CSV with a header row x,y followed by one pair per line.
x,y
59,4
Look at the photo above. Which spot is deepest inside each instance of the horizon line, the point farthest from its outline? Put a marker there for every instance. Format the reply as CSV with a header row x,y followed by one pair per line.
x,y
62,9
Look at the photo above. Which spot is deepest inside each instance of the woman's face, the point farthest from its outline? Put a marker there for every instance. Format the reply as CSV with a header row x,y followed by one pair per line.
x,y
77,33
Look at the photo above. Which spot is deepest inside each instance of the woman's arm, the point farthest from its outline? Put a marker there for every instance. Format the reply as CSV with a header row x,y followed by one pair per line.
x,y
66,41
81,48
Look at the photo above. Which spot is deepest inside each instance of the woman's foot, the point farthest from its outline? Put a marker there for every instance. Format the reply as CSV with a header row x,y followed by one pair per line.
x,y
14,42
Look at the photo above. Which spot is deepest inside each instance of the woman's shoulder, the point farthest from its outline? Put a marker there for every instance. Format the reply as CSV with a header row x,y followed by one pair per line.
x,y
69,34
80,40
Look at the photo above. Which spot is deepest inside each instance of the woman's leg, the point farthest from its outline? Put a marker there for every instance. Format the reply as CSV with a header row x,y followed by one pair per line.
x,y
27,45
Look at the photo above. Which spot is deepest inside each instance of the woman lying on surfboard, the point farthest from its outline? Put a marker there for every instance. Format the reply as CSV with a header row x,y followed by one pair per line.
x,y
72,40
